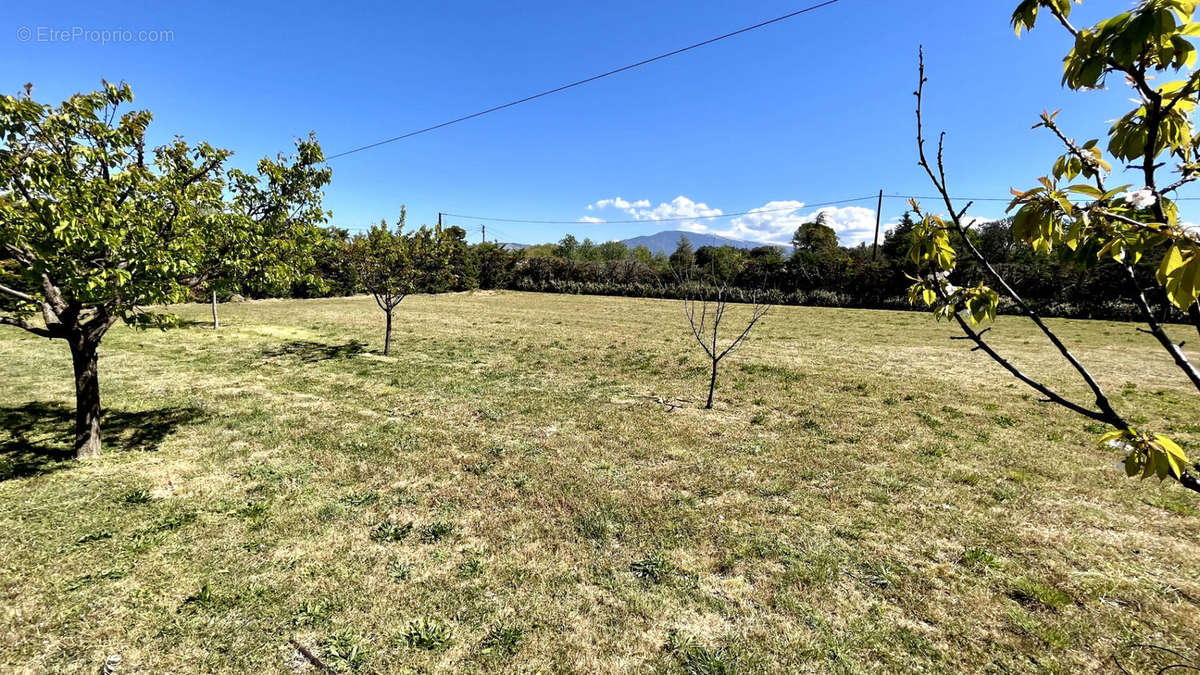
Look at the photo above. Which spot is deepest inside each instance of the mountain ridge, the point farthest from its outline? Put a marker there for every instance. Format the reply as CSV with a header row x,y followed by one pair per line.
x,y
666,241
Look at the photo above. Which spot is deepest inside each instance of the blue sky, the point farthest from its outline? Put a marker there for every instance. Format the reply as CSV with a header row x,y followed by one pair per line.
x,y
814,109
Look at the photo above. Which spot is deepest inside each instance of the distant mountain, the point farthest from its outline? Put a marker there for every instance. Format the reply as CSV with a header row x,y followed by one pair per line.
x,y
667,240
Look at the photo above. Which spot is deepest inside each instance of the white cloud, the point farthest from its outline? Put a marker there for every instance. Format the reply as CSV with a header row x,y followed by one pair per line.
x,y
773,222
619,203
677,211
591,219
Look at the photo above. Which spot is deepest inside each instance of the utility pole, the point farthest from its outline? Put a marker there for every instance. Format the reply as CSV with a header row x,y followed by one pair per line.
x,y
439,219
878,213
483,229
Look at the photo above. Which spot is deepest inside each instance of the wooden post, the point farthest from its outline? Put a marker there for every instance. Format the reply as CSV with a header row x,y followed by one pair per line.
x,y
484,235
439,219
878,214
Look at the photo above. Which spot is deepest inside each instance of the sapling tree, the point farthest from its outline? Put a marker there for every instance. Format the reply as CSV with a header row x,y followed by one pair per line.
x,y
1076,209
95,228
705,308
394,264
277,214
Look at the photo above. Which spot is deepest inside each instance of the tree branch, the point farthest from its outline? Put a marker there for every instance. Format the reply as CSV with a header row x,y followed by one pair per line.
x,y
1157,330
25,325
17,294
1106,413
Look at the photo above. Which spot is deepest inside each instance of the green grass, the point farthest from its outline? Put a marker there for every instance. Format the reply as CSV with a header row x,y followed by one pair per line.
x,y
529,484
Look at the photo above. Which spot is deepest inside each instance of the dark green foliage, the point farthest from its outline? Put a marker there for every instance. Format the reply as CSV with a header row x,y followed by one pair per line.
x,y
502,639
696,659
426,634
389,530
654,568
435,532
345,651
136,497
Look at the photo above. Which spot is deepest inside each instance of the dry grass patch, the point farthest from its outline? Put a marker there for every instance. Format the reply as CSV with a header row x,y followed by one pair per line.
x,y
529,485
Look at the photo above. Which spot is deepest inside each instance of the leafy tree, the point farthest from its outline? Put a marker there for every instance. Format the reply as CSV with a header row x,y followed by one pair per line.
x,y
567,247
684,257
1121,224
494,264
331,274
898,240
762,268
719,263
815,237
97,229
542,251
462,274
283,201
642,254
587,250
613,250
394,264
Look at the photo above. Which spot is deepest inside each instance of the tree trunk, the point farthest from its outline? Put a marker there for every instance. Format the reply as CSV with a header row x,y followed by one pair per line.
x,y
216,321
87,397
387,334
712,385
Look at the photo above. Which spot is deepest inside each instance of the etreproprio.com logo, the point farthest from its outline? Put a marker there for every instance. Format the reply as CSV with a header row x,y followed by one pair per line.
x,y
101,36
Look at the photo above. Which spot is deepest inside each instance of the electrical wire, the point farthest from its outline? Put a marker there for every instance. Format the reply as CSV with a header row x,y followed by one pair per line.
x,y
593,78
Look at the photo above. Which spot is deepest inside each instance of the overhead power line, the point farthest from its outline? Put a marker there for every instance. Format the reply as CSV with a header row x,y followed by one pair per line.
x,y
593,78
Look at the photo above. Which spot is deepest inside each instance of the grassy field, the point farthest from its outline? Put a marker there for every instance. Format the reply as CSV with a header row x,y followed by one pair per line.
x,y
528,484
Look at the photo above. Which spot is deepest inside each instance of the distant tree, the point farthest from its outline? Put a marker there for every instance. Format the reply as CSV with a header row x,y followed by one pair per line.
x,y
95,229
643,255
684,257
567,248
815,237
898,240
493,264
720,264
332,269
660,263
587,250
705,308
461,274
394,264
763,268
1074,211
542,251
765,254
613,250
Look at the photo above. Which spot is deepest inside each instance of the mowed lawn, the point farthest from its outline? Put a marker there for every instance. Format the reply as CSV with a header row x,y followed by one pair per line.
x,y
867,495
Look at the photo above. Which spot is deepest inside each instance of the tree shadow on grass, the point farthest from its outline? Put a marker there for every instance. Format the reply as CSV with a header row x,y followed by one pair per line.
x,y
311,352
38,437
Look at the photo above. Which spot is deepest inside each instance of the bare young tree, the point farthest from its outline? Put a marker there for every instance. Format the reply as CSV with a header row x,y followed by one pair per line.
x,y
705,309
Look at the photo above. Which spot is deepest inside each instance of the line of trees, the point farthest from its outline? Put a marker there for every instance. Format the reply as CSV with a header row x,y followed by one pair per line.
x,y
814,270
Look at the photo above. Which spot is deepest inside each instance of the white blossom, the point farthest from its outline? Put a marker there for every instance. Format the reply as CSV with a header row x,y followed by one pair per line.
x,y
1140,199
950,289
1119,445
